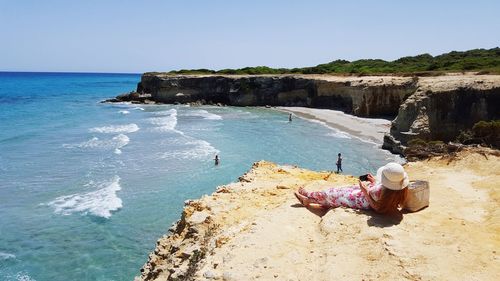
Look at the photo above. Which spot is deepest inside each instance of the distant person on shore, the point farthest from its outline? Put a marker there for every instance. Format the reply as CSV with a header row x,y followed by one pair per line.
x,y
290,117
339,163
216,159
384,193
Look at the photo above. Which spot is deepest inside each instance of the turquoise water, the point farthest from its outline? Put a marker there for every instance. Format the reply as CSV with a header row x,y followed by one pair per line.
x,y
87,188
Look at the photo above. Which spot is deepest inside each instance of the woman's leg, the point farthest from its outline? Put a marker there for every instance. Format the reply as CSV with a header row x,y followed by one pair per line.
x,y
326,198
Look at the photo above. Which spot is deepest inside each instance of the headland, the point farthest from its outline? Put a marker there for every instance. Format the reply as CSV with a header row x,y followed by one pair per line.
x,y
255,229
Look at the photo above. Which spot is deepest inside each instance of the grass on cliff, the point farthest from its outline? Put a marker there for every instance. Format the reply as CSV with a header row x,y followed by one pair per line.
x,y
484,61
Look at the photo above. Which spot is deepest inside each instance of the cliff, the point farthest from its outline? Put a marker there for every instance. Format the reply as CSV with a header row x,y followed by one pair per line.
x,y
362,96
254,229
443,106
430,108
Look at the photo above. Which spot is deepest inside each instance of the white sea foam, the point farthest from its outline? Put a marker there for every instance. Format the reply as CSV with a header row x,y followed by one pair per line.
x,y
116,142
129,128
21,276
165,112
203,114
194,149
6,256
339,134
101,202
138,108
124,112
167,122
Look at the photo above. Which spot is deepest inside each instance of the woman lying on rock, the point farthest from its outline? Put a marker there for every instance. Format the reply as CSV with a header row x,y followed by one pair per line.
x,y
383,194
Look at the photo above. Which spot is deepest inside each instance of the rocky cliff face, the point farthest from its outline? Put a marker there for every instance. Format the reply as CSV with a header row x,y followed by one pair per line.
x,y
430,108
192,249
441,107
362,96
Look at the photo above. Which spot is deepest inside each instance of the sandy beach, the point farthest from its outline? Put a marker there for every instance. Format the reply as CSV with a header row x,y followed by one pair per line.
x,y
369,129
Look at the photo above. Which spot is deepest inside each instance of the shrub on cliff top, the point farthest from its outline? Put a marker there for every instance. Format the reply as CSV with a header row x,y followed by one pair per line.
x,y
488,132
472,60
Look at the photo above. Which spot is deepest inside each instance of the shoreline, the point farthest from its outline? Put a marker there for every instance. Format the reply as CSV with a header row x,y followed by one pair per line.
x,y
369,129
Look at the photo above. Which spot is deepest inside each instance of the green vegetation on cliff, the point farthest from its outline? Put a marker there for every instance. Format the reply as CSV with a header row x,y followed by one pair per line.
x,y
482,60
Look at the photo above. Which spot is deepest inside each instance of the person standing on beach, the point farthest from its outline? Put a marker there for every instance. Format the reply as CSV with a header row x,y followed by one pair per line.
x,y
290,117
339,163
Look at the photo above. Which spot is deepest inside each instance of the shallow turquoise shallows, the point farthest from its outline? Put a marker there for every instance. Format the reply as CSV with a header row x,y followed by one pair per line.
x,y
87,188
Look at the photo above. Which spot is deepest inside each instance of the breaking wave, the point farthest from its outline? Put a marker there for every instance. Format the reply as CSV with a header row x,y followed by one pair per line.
x,y
116,143
166,122
130,128
6,256
203,114
195,149
165,112
101,202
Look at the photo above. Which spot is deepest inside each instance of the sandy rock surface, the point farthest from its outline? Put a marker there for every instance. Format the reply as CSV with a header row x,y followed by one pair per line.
x,y
255,229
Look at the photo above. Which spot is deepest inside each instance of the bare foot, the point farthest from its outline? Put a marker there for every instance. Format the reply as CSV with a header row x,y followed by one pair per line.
x,y
308,203
302,199
302,191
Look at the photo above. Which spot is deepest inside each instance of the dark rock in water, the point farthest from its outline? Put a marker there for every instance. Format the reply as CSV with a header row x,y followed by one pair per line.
x,y
133,97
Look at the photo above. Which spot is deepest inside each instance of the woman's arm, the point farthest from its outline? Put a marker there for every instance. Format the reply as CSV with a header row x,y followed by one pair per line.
x,y
374,204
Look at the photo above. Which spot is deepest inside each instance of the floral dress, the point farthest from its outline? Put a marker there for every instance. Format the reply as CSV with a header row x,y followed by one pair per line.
x,y
348,196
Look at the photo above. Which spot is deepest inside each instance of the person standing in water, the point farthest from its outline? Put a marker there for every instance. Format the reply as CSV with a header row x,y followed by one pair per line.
x,y
216,159
290,117
339,163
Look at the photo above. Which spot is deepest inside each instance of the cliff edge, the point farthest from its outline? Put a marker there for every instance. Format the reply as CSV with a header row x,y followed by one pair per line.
x,y
254,229
428,108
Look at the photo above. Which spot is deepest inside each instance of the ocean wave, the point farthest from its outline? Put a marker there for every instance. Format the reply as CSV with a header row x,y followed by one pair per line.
x,y
101,202
116,142
203,114
194,149
129,128
124,112
164,123
339,134
22,276
165,112
6,256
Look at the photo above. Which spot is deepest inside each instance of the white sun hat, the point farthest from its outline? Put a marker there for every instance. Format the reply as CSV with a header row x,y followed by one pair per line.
x,y
392,176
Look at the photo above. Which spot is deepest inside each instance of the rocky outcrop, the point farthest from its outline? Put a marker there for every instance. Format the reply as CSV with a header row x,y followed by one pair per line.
x,y
208,224
255,229
429,108
441,107
362,96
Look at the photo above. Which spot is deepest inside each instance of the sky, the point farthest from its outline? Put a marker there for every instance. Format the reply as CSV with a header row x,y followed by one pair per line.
x,y
162,35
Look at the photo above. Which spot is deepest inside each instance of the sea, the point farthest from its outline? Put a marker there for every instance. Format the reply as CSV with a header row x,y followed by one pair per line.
x,y
87,188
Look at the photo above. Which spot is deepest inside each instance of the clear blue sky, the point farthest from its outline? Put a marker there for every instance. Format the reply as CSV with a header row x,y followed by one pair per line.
x,y
161,35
